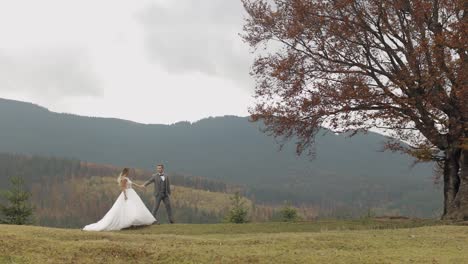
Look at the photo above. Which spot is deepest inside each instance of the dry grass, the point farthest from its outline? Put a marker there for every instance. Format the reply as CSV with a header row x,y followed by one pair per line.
x,y
383,241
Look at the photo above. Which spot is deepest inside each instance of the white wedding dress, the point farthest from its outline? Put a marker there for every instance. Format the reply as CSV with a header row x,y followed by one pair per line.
x,y
124,213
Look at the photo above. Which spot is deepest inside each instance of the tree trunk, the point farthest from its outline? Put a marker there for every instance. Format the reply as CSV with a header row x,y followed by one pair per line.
x,y
451,181
456,197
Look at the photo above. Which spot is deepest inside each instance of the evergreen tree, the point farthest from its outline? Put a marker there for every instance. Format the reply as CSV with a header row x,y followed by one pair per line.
x,y
18,210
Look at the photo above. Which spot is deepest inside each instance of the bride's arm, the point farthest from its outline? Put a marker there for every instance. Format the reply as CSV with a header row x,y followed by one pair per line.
x,y
139,186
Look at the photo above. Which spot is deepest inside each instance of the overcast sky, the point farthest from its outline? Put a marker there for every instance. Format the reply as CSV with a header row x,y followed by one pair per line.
x,y
159,61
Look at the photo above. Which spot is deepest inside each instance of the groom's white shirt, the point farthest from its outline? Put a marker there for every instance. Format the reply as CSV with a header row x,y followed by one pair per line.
x,y
163,177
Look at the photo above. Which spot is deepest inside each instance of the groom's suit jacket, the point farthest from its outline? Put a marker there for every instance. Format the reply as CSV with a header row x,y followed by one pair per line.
x,y
158,184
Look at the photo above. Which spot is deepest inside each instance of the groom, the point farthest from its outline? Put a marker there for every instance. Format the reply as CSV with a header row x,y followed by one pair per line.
x,y
162,191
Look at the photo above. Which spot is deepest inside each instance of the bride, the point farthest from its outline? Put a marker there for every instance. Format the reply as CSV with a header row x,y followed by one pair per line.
x,y
128,210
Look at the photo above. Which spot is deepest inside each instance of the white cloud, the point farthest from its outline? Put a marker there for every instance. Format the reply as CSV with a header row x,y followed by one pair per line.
x,y
199,36
97,58
55,73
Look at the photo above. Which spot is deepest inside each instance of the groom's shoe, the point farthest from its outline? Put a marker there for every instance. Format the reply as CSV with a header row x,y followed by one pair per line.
x,y
155,222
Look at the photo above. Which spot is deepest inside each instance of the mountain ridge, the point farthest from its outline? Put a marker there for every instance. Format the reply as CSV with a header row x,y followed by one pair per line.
x,y
345,170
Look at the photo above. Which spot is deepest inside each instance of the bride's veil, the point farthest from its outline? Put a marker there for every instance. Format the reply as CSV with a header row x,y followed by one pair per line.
x,y
119,178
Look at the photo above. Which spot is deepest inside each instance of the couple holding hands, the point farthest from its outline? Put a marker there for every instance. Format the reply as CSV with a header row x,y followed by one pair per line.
x,y
129,210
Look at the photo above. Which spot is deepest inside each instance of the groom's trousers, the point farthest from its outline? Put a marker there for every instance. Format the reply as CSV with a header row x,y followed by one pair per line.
x,y
167,204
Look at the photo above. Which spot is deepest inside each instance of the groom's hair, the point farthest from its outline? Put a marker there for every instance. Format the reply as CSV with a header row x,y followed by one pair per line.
x,y
162,166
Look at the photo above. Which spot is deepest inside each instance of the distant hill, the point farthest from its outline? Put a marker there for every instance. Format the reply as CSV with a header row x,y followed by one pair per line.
x,y
348,174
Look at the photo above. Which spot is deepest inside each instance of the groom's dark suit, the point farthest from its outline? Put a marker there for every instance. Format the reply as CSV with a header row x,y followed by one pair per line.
x,y
162,191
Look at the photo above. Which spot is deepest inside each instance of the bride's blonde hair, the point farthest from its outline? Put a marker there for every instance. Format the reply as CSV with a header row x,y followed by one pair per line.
x,y
123,173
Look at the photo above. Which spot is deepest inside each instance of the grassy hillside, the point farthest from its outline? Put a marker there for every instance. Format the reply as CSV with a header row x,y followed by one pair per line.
x,y
312,242
79,201
72,193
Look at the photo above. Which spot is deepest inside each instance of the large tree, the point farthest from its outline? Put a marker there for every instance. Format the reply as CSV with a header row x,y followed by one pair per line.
x,y
397,65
